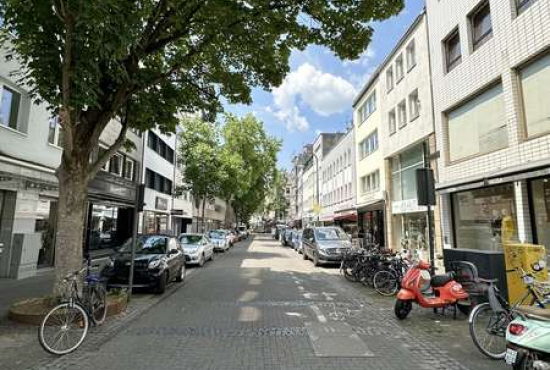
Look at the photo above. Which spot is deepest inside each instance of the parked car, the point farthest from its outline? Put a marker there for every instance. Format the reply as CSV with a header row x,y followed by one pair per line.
x,y
297,241
243,232
197,247
233,237
287,237
279,229
218,240
325,244
159,260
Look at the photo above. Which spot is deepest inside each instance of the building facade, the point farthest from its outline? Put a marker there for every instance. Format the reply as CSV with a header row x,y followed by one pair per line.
x,y
407,137
491,79
30,151
338,184
370,168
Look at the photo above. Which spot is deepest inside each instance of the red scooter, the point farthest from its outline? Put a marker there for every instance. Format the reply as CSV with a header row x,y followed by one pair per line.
x,y
439,291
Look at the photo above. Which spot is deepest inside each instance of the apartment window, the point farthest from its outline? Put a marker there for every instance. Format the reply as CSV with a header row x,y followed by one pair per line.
x,y
370,182
368,107
115,164
402,113
521,5
453,54
411,55
391,121
129,166
414,105
156,144
535,88
399,70
55,132
153,141
157,182
480,21
369,145
389,79
478,126
9,108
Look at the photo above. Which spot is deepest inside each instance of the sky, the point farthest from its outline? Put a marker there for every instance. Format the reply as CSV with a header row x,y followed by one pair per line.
x,y
318,93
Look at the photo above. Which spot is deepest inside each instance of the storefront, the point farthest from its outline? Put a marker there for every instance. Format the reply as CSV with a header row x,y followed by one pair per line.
x,y
539,190
347,220
409,221
371,226
485,218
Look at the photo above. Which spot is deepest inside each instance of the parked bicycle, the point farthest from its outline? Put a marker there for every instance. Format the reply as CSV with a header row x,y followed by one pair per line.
x,y
488,321
387,282
65,327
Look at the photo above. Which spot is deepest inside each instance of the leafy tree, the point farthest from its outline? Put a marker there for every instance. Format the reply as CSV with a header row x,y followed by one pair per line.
x,y
91,61
200,160
246,139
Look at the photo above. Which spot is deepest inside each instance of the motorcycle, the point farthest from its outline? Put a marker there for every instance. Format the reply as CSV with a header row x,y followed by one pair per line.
x,y
438,291
528,335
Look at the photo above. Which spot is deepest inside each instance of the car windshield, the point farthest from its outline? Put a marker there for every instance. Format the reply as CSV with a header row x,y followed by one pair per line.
x,y
190,239
216,235
331,233
146,244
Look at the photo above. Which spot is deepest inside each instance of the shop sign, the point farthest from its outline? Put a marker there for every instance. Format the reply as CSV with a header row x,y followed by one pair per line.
x,y
161,203
407,206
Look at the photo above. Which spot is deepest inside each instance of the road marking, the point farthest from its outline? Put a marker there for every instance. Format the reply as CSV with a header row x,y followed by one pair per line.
x,y
317,311
301,288
310,295
328,296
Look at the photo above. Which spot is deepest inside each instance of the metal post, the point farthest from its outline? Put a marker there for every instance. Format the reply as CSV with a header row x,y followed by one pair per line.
x,y
317,185
430,230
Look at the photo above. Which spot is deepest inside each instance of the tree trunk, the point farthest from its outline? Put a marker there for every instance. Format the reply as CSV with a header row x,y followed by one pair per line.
x,y
202,216
73,194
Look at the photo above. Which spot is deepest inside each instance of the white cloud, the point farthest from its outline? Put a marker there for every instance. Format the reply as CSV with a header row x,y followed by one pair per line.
x,y
324,93
364,59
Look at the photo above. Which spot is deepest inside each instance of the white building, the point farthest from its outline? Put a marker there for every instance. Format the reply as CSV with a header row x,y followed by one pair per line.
x,y
491,79
338,183
406,136
158,177
370,168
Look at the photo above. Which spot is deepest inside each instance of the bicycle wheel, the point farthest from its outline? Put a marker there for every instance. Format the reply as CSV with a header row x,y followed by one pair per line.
x,y
63,329
98,304
488,330
385,283
348,268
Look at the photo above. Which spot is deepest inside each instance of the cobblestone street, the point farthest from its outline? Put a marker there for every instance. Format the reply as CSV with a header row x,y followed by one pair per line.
x,y
261,306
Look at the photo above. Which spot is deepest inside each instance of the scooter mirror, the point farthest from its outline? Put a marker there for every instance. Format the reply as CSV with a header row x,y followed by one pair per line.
x,y
539,266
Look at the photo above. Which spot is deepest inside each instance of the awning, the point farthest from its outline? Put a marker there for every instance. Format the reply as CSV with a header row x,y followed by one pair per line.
x,y
346,217
376,206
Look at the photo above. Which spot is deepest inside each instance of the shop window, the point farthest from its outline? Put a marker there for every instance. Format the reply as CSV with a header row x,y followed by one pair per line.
x,y
46,221
9,108
540,195
368,107
391,122
389,79
453,54
481,26
411,55
103,227
485,219
478,126
402,114
414,105
399,69
535,87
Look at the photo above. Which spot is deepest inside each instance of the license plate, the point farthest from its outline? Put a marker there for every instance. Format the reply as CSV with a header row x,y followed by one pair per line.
x,y
511,356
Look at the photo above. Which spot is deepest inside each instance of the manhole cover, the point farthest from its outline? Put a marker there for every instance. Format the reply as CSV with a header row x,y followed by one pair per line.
x,y
336,339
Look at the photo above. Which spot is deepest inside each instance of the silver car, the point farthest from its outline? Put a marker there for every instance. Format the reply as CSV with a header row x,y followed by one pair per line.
x,y
325,244
197,248
219,240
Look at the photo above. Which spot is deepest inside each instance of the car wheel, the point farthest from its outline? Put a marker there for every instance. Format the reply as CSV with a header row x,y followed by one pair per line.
x,y
315,259
202,260
161,283
181,274
211,256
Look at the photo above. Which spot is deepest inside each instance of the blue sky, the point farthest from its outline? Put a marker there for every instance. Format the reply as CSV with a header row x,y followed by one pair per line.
x,y
318,93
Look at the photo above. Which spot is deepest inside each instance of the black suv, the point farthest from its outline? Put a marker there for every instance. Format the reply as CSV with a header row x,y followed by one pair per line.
x,y
159,260
325,244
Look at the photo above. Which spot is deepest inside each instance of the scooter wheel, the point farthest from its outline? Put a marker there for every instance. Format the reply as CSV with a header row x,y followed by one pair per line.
x,y
402,309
